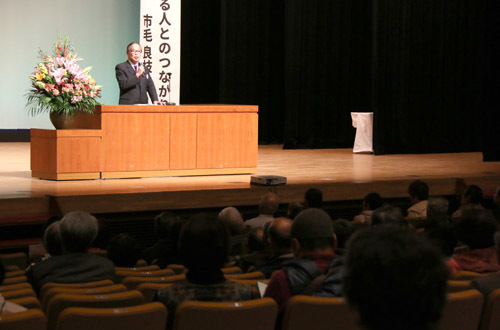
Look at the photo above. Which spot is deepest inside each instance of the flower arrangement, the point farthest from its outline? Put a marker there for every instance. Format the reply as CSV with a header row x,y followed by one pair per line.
x,y
60,85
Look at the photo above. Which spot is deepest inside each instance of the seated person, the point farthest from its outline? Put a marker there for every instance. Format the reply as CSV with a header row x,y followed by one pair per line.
x,y
371,202
472,198
123,250
280,241
488,283
313,244
7,307
231,217
203,246
37,252
387,215
419,193
394,279
475,229
268,205
164,252
256,249
343,231
77,229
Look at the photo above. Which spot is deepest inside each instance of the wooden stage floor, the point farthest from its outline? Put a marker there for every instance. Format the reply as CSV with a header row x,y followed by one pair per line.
x,y
341,175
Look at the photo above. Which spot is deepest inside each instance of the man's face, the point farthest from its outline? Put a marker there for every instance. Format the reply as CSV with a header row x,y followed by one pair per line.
x,y
134,53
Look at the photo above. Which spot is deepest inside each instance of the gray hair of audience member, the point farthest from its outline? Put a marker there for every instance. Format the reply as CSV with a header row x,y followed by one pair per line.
x,y
52,239
388,215
232,218
78,229
269,204
163,223
437,206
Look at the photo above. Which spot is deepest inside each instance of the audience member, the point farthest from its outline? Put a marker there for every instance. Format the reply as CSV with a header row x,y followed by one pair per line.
x,y
313,243
475,229
231,217
203,245
394,279
471,199
313,198
441,234
294,208
280,241
371,202
256,249
77,229
387,215
437,208
52,240
37,251
164,251
268,205
419,193
7,307
123,250
343,230
488,283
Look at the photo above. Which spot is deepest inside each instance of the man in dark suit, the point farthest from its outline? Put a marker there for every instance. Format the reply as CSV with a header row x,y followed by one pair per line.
x,y
134,79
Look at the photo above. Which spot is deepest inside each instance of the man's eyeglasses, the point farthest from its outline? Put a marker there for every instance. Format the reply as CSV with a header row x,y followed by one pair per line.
x,y
135,51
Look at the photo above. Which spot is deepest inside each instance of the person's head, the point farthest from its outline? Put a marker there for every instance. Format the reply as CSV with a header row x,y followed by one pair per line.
x,y
78,229
124,250
372,201
269,204
294,208
231,217
312,231
280,237
256,240
476,228
313,198
163,223
472,195
204,243
441,234
134,52
437,207
418,191
52,239
387,215
343,230
395,279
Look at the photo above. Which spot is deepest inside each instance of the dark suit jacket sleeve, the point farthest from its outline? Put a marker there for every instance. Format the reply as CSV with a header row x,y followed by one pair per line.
x,y
125,81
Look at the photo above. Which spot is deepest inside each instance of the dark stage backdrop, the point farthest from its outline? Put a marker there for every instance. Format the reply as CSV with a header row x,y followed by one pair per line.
x,y
418,65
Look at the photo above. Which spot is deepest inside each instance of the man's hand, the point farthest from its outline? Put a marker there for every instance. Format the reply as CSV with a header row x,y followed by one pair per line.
x,y
140,71
158,103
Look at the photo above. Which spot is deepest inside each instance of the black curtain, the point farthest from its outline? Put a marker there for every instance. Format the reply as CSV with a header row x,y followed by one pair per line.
x,y
426,76
420,66
327,71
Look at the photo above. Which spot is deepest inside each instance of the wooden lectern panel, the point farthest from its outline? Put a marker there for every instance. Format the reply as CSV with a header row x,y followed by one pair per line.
x,y
135,141
183,141
227,140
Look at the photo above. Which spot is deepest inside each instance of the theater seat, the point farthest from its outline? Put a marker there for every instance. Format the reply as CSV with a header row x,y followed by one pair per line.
x,y
490,319
152,316
318,313
93,284
133,282
462,310
243,315
32,319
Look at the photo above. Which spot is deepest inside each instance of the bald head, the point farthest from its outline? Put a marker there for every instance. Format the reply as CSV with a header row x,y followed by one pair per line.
x,y
279,235
269,204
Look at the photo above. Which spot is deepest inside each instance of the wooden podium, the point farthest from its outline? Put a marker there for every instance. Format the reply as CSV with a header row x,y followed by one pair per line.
x,y
124,141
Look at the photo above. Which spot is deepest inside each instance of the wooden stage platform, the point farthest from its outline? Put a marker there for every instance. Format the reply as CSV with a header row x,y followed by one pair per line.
x,y
341,175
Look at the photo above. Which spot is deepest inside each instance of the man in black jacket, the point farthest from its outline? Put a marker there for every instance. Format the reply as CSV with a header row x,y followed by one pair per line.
x,y
134,78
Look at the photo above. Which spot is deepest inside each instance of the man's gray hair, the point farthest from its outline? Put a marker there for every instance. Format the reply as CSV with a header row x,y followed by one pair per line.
x,y
437,206
232,218
78,230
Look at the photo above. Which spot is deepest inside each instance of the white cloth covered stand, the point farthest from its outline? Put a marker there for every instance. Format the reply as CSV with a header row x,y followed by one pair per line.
x,y
363,122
